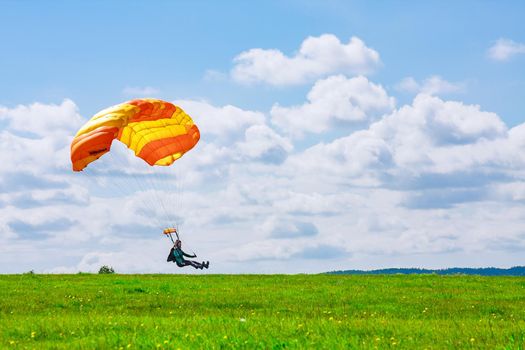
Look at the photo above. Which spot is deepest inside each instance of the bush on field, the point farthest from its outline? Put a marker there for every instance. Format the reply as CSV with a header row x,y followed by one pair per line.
x,y
106,270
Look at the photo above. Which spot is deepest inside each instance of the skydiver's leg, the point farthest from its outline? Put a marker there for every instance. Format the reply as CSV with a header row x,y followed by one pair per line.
x,y
184,263
195,264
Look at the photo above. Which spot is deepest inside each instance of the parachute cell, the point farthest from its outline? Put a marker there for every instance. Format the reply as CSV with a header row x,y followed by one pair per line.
x,y
157,131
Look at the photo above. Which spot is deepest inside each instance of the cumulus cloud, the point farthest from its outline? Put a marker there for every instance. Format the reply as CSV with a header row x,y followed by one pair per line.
x,y
431,155
37,136
321,252
19,181
38,197
437,179
221,122
290,228
263,143
231,134
283,250
333,100
434,85
421,134
513,191
353,158
504,49
445,121
40,230
317,57
40,120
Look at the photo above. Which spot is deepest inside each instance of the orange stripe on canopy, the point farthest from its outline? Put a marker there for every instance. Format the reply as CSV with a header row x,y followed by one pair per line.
x,y
158,131
91,146
159,149
151,111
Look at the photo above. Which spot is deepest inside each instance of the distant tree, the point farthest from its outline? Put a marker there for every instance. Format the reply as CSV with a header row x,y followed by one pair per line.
x,y
106,270
30,272
483,271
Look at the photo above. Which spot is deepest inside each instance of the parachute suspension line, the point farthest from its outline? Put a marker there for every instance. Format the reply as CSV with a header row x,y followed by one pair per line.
x,y
169,204
173,210
148,199
176,193
178,190
133,181
118,184
154,180
178,185
119,158
165,199
150,195
146,181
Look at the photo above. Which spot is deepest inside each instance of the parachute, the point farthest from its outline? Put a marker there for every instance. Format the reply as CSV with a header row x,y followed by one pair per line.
x,y
157,131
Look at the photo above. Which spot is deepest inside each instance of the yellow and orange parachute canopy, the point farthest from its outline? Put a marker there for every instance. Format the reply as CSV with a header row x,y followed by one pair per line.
x,y
157,131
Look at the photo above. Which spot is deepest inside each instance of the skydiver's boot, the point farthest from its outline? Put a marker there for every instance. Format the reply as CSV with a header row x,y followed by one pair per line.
x,y
207,264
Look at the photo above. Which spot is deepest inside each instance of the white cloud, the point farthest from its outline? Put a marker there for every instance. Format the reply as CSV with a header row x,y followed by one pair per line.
x,y
449,121
282,228
434,85
504,49
43,121
420,133
435,179
37,137
220,122
317,57
331,100
431,135
514,191
266,249
136,91
231,134
262,142
352,158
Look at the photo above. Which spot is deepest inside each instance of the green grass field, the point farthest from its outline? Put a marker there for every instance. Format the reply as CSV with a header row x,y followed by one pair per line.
x,y
266,312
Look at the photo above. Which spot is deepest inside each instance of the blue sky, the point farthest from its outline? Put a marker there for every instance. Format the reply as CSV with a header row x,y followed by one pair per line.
x,y
333,129
88,51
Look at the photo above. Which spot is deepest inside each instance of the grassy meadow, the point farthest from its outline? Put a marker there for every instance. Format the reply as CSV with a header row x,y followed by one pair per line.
x,y
87,311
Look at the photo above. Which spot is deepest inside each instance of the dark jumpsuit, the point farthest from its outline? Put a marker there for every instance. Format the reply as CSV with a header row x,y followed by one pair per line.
x,y
177,256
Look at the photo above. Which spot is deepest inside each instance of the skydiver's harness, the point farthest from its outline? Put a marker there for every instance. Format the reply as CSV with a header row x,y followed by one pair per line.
x,y
177,256
179,259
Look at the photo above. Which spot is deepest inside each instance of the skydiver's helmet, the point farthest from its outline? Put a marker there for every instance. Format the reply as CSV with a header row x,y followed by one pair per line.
x,y
178,243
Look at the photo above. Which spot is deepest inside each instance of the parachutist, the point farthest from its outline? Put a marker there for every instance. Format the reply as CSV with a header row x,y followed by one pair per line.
x,y
177,256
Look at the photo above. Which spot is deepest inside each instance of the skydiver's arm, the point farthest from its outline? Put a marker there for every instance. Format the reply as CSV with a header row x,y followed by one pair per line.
x,y
189,256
